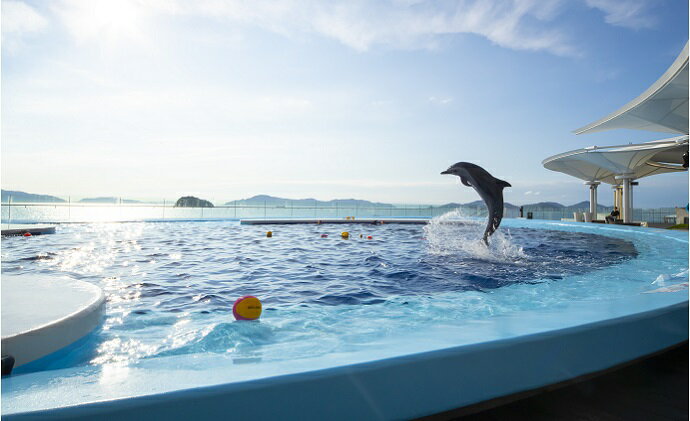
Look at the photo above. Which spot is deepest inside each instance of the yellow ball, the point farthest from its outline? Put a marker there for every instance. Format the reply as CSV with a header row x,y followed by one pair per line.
x,y
269,234
247,308
345,234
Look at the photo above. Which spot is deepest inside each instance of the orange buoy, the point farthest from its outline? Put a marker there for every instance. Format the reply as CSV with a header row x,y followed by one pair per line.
x,y
27,234
247,308
370,237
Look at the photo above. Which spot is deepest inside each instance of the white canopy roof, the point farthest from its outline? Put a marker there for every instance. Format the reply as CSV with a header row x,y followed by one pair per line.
x,y
663,107
605,163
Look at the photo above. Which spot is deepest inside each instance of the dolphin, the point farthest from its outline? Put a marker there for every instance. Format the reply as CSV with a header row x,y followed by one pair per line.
x,y
490,189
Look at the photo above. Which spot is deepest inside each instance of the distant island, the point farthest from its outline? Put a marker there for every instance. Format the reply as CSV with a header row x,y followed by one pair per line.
x,y
267,200
113,200
20,196
192,202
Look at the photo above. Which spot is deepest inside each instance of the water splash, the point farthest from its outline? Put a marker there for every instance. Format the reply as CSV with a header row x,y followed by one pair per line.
x,y
663,278
456,233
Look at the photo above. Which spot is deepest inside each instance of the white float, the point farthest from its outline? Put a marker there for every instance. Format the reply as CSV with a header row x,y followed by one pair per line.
x,y
41,315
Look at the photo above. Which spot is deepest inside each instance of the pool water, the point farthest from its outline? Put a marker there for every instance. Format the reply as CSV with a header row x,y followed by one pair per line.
x,y
170,287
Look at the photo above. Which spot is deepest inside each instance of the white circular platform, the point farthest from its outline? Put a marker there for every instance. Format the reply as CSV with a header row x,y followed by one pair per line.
x,y
41,315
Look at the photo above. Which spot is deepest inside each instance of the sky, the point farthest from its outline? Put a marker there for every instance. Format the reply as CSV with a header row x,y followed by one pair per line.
x,y
367,99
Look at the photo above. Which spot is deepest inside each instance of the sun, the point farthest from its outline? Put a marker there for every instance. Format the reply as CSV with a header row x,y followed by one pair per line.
x,y
108,21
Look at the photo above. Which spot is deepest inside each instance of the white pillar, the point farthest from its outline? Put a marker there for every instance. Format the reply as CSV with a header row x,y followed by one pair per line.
x,y
627,197
593,197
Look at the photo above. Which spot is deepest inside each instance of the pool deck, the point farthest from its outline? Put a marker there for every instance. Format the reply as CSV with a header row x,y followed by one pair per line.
x,y
33,229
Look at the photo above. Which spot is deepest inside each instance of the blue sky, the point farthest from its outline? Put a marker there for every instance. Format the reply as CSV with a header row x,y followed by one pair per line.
x,y
367,99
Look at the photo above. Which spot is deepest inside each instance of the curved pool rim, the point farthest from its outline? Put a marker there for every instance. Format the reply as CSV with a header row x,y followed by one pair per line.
x,y
425,375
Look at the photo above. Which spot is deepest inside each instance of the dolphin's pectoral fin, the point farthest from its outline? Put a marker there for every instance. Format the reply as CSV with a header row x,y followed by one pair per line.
x,y
464,181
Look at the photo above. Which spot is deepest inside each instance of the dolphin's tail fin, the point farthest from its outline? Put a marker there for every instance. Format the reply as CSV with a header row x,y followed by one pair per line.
x,y
503,184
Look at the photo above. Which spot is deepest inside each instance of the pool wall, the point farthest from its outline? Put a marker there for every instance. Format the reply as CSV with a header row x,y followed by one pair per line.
x,y
418,384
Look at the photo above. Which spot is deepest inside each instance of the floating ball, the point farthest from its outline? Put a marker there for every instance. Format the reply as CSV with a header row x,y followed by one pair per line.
x,y
345,234
247,308
369,237
269,234
324,235
27,234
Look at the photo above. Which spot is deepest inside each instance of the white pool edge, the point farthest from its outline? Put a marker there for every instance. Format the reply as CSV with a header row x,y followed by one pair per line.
x,y
414,385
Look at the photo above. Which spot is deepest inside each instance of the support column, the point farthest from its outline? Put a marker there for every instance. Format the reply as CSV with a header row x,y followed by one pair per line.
x,y
593,197
618,196
627,197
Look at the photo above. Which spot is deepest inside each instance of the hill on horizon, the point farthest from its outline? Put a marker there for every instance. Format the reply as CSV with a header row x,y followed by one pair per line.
x,y
557,206
262,199
113,200
20,196
480,203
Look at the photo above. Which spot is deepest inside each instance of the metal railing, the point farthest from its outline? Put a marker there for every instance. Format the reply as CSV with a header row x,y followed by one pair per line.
x,y
65,212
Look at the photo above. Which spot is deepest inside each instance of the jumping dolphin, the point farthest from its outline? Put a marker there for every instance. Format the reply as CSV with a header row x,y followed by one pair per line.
x,y
489,188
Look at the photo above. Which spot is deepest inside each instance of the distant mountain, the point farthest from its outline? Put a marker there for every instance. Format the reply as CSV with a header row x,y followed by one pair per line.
x,y
192,202
20,196
585,205
279,201
113,200
480,204
544,205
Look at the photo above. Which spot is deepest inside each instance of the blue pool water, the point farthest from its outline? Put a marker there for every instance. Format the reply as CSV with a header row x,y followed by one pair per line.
x,y
170,286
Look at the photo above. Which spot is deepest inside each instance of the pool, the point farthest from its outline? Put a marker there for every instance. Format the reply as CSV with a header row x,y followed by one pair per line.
x,y
411,298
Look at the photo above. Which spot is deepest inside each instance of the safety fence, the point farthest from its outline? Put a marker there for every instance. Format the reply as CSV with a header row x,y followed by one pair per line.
x,y
66,212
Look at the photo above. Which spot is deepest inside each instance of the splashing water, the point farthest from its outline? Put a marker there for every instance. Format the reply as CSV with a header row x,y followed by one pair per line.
x,y
455,233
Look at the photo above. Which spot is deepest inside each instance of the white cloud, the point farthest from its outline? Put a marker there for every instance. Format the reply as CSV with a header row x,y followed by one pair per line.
x,y
18,17
440,100
359,24
19,21
626,13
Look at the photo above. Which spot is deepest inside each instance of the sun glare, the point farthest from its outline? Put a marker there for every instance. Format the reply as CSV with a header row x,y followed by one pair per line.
x,y
107,21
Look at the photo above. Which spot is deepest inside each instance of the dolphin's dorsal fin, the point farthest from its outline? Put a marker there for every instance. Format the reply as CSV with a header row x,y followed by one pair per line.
x,y
464,181
503,184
